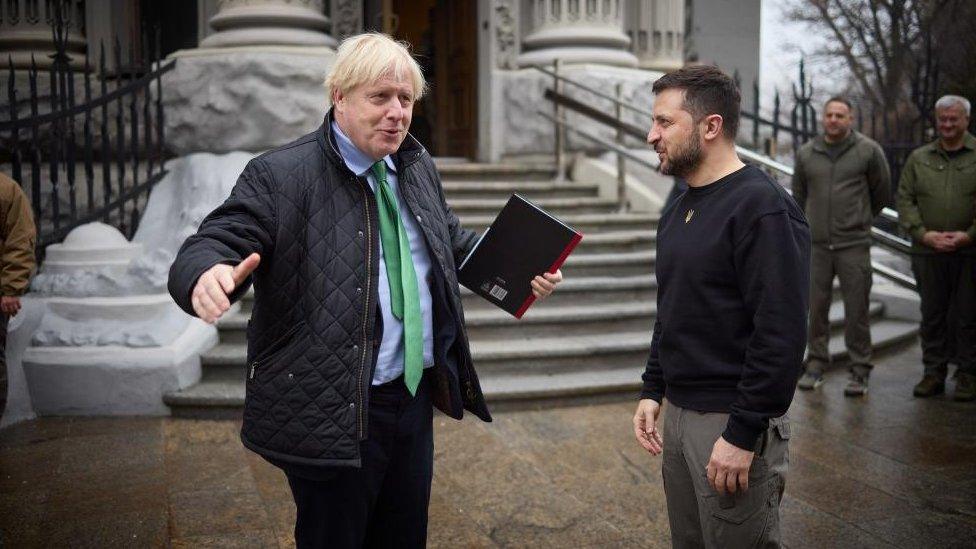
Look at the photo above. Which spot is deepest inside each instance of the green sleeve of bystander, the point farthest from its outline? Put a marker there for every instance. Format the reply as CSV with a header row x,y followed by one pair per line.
x,y
909,216
879,181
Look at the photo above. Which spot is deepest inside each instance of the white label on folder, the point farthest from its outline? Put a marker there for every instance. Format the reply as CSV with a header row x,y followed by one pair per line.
x,y
498,292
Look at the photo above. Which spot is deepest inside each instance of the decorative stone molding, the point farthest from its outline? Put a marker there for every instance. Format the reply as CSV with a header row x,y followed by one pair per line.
x,y
576,31
506,33
269,22
347,18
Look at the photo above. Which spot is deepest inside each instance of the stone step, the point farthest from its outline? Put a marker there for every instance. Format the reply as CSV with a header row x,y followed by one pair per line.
x,y
574,290
609,264
523,342
533,190
471,171
556,206
590,290
614,368
617,241
496,324
539,321
584,222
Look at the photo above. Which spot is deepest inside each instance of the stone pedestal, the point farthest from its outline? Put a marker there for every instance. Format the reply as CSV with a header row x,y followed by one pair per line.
x,y
269,22
99,354
244,99
575,31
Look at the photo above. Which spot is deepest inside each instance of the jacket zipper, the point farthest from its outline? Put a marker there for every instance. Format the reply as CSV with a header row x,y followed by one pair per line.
x,y
369,280
469,387
830,204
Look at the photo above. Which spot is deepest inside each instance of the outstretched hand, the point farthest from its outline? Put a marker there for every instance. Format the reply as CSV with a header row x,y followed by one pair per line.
x,y
545,284
209,296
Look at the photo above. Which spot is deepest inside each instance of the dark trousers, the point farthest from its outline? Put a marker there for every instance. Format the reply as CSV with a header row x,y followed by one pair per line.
x,y
852,266
384,503
3,363
947,281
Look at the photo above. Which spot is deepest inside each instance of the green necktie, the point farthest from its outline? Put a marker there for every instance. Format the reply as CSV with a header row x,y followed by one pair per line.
x,y
404,296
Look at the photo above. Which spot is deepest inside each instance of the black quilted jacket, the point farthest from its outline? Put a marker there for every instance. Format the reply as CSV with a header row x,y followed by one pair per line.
x,y
313,332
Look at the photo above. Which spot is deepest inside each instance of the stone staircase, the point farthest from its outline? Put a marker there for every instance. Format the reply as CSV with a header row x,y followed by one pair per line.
x,y
589,338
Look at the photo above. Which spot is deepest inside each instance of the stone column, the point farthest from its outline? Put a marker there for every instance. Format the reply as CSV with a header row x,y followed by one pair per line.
x,y
656,31
269,22
575,31
26,30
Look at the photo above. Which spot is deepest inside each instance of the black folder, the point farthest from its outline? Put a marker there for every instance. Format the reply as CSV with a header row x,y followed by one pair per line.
x,y
524,241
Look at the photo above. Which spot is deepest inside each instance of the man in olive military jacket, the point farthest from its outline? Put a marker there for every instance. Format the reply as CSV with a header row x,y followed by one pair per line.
x,y
841,180
937,207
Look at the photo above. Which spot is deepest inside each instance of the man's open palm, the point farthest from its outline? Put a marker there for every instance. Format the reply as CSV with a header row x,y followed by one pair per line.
x,y
209,296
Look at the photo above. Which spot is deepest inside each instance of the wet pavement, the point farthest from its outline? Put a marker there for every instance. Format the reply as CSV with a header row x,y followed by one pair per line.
x,y
884,471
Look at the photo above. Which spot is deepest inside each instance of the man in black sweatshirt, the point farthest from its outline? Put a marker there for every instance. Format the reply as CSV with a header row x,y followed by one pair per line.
x,y
733,264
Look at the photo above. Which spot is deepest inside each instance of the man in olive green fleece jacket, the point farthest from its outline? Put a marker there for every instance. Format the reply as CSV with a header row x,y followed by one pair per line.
x,y
937,207
17,235
841,180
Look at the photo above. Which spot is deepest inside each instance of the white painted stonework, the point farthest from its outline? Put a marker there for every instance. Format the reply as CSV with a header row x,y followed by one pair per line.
x,y
244,99
524,131
105,336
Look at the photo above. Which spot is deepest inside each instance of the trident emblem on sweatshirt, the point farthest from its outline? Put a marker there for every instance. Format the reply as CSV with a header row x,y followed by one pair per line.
x,y
688,217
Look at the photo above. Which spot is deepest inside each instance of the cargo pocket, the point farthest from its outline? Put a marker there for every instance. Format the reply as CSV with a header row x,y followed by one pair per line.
x,y
740,520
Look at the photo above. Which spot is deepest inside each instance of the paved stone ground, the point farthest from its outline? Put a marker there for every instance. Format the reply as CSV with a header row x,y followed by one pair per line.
x,y
885,471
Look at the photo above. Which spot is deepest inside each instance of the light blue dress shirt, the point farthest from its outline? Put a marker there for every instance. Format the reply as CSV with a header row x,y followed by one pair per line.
x,y
389,360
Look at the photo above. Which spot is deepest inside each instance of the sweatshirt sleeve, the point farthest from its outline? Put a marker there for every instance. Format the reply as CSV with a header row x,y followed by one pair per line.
x,y
909,216
772,262
653,377
244,224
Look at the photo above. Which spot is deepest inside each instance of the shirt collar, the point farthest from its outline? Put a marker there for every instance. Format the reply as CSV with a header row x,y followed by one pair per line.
x,y
355,159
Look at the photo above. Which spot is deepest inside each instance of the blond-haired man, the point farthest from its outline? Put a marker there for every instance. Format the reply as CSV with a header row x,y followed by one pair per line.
x,y
357,328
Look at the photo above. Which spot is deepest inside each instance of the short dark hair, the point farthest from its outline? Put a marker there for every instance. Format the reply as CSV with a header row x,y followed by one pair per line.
x,y
708,90
840,99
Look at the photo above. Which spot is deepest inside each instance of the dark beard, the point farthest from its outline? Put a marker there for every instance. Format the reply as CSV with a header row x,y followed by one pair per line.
x,y
684,161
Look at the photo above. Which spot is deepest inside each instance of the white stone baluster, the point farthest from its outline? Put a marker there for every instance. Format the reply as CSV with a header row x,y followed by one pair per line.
x,y
26,30
576,31
656,30
269,22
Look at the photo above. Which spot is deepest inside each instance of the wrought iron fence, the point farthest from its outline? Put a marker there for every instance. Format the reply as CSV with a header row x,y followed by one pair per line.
x,y
80,157
899,130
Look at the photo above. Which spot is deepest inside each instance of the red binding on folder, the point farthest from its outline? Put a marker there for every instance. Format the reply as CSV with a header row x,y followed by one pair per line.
x,y
555,267
523,241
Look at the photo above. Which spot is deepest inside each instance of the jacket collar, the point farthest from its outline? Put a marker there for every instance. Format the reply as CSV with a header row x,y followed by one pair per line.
x,y
968,142
410,150
820,142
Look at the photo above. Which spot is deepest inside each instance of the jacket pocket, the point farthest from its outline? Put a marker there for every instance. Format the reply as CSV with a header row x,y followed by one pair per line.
x,y
271,357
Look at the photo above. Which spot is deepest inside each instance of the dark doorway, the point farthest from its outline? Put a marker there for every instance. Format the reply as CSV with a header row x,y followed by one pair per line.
x,y
176,21
444,37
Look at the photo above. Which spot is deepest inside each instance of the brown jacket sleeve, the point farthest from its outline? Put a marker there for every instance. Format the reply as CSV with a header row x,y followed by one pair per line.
x,y
18,234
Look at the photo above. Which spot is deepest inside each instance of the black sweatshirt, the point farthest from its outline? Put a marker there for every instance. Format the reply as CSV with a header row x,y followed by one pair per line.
x,y
733,271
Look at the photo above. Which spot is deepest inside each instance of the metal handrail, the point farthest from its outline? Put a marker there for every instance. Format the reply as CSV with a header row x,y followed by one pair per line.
x,y
752,156
886,239
594,91
599,140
